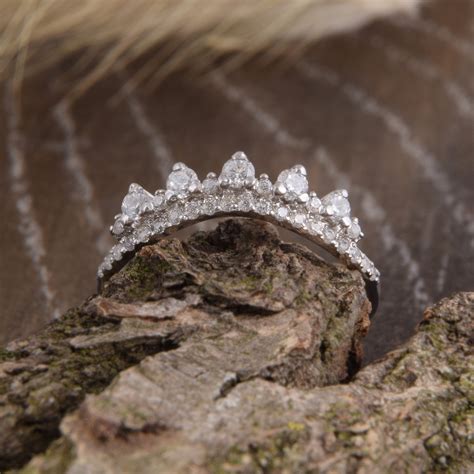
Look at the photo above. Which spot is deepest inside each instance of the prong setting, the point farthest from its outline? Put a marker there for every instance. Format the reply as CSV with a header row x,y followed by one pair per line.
x,y
288,202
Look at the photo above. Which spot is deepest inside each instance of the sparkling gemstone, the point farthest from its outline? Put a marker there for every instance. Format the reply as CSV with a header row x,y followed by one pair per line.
x,y
264,186
118,227
210,185
282,212
343,245
192,210
182,180
316,227
299,220
337,204
143,234
262,206
294,182
209,207
355,253
159,200
117,252
314,204
128,245
238,171
243,203
174,216
354,230
328,234
136,201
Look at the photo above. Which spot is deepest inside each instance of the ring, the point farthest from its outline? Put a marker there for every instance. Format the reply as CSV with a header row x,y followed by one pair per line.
x,y
146,217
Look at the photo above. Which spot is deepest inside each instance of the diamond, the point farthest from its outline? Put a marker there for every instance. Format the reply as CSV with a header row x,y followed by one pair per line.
x,y
337,204
192,209
143,233
299,220
117,252
264,186
328,234
294,182
182,180
210,185
174,216
209,207
343,245
282,213
316,227
238,171
354,230
118,227
159,200
314,204
136,201
128,245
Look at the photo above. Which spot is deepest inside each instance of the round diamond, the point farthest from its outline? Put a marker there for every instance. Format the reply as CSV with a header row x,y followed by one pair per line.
x,y
209,207
238,171
143,234
117,252
282,212
337,204
210,185
295,183
300,220
314,204
136,201
354,230
264,186
118,227
159,200
131,205
182,180
316,227
328,234
343,245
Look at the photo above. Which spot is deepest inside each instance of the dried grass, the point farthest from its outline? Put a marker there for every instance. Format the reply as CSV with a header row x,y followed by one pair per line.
x,y
106,33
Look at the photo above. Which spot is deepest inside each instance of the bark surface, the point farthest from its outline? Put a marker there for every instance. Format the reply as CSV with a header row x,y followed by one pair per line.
x,y
236,352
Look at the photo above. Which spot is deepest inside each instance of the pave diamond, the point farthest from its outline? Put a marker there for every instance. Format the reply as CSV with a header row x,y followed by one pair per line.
x,y
182,180
282,213
238,171
314,204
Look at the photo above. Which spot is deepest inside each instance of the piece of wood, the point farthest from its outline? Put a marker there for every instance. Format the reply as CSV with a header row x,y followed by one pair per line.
x,y
397,129
224,308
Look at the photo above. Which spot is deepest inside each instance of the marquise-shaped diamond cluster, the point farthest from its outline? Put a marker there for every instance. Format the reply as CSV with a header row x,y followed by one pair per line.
x,y
145,216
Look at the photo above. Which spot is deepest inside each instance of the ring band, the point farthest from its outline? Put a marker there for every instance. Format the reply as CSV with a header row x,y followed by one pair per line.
x,y
146,217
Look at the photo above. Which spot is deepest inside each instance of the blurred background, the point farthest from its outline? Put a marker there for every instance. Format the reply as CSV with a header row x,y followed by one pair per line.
x,y
376,96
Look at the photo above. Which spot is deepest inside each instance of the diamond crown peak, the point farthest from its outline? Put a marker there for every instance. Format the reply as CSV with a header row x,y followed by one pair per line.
x,y
146,217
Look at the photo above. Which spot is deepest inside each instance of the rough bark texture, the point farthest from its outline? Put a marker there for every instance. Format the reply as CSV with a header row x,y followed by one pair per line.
x,y
226,307
252,346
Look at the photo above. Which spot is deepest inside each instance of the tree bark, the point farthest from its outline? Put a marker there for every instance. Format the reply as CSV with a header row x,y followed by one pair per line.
x,y
236,352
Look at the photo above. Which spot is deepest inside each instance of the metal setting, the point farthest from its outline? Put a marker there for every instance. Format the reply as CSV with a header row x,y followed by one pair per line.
x,y
146,217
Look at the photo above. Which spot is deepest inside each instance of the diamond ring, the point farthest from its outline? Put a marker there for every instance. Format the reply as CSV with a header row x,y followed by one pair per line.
x,y
327,221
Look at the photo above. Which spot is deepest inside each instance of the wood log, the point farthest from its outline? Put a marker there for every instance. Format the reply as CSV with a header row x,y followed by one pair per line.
x,y
236,352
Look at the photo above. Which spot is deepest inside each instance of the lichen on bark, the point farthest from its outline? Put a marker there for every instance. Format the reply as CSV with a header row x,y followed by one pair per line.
x,y
236,352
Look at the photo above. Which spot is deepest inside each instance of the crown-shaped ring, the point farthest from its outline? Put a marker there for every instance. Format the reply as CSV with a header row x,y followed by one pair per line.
x,y
147,217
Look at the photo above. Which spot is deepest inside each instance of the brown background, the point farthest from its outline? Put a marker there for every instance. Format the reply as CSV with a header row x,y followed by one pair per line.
x,y
387,112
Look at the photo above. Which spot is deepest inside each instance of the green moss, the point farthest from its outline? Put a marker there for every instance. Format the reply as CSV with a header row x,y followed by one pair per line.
x,y
141,275
276,453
